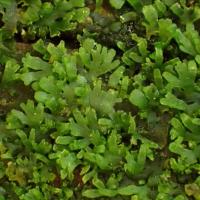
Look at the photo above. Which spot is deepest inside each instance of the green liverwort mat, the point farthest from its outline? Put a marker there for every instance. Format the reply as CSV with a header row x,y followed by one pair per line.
x,y
99,99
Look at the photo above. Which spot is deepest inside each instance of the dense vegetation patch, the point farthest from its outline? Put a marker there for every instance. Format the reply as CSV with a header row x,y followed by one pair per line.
x,y
99,99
